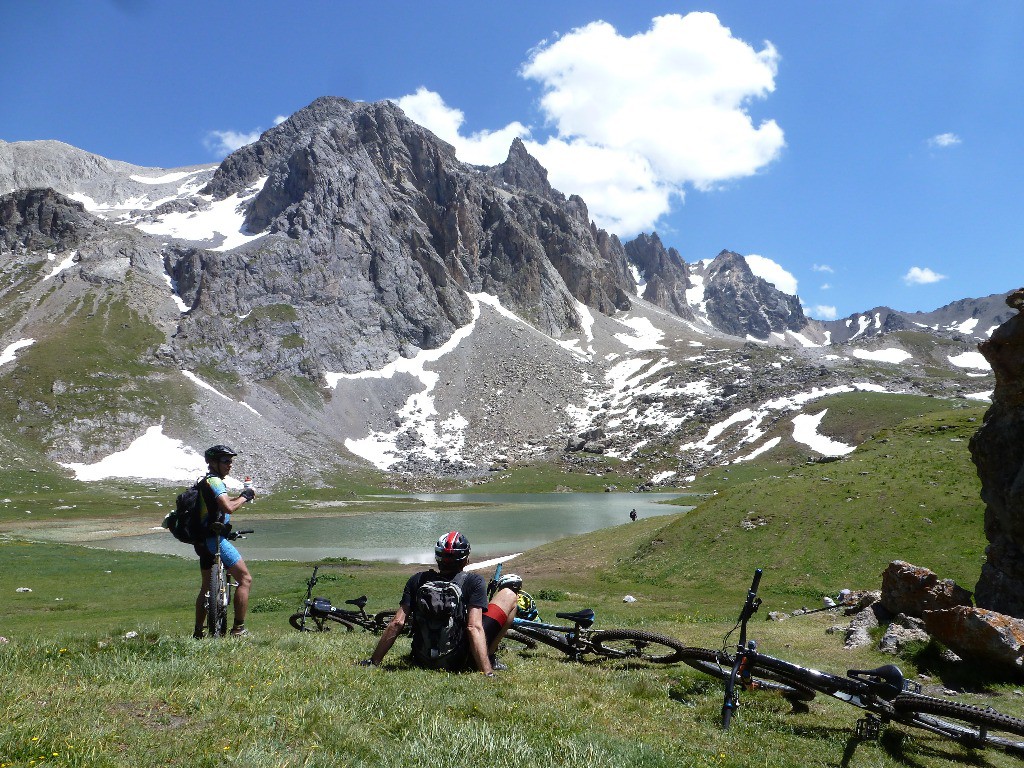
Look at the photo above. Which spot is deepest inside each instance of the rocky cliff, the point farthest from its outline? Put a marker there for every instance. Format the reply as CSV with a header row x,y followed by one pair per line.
x,y
742,304
385,233
998,451
664,272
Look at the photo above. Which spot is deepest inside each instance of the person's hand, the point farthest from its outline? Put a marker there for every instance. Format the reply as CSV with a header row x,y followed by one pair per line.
x,y
218,528
248,494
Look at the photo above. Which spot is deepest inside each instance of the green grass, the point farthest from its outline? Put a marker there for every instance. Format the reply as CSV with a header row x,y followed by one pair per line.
x,y
79,690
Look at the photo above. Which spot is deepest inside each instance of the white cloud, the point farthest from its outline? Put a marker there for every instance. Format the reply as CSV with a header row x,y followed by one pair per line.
x,y
823,312
482,148
823,268
773,272
944,140
223,143
635,119
922,276
826,286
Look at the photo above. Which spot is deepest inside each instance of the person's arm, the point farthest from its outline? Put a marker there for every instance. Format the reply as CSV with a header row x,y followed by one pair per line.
x,y
478,640
391,633
229,506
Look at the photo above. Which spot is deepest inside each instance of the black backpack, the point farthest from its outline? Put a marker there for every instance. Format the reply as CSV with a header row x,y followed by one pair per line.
x,y
185,521
439,623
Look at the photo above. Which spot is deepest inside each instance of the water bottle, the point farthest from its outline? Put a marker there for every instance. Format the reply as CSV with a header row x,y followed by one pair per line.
x,y
247,483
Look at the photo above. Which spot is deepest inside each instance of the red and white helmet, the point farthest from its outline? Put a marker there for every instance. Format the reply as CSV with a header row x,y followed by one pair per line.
x,y
452,549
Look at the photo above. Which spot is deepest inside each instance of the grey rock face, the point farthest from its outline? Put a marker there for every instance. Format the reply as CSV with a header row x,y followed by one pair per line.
x,y
665,272
998,452
741,304
40,219
376,233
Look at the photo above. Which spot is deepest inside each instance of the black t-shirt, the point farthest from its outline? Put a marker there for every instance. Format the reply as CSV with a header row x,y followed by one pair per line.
x,y
474,588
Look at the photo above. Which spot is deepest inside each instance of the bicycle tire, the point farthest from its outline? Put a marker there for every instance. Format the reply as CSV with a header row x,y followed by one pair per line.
x,y
381,620
515,636
216,618
303,622
556,640
964,723
637,644
718,664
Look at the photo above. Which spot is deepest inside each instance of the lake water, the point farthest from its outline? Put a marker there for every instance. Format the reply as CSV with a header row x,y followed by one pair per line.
x,y
505,524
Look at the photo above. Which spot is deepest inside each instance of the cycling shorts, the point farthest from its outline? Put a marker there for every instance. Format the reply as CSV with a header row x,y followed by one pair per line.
x,y
494,620
206,551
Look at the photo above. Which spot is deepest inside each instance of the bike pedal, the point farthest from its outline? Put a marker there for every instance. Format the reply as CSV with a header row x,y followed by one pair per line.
x,y
868,728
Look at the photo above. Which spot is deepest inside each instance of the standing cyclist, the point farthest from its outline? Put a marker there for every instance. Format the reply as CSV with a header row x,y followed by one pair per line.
x,y
216,512
485,623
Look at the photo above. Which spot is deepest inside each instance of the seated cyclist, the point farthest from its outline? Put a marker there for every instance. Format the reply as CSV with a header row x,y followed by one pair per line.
x,y
485,622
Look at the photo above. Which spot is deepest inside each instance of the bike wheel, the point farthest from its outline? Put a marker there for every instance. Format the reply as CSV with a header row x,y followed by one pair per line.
x,y
382,619
216,617
303,622
975,727
718,664
514,636
636,644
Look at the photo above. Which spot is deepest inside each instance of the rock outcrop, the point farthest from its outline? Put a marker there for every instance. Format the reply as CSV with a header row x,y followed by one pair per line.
x,y
911,590
980,635
742,304
998,452
41,219
664,271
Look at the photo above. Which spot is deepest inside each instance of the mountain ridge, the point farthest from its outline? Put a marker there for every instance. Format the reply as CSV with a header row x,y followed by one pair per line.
x,y
375,300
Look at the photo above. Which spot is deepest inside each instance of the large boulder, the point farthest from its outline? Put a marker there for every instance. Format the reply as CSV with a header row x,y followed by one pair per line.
x,y
979,635
911,590
998,452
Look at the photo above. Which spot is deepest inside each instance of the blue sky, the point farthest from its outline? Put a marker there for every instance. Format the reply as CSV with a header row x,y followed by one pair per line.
x,y
870,153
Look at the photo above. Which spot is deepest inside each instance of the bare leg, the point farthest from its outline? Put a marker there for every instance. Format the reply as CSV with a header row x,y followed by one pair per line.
x,y
244,579
508,601
201,601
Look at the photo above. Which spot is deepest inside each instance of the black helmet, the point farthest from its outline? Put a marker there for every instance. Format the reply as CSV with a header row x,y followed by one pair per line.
x,y
452,549
218,452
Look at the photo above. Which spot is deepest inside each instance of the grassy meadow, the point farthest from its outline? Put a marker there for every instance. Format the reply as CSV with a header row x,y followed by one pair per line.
x,y
99,668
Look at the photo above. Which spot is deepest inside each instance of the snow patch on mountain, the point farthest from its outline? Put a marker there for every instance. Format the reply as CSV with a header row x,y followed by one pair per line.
x,y
67,263
204,385
9,353
891,355
221,222
152,456
805,431
974,360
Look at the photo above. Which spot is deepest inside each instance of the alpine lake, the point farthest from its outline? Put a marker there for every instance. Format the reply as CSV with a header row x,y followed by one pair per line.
x,y
497,525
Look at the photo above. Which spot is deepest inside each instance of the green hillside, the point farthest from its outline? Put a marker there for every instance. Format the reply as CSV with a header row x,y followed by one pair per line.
x,y
81,690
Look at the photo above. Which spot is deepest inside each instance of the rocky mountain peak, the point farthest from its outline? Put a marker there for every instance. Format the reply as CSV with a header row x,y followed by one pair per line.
x,y
742,304
390,232
523,171
664,272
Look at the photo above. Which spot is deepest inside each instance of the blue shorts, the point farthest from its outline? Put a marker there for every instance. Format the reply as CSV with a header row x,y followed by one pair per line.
x,y
228,554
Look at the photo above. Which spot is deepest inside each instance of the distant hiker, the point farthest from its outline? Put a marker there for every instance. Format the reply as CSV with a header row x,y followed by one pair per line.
x,y
632,515
454,626
217,508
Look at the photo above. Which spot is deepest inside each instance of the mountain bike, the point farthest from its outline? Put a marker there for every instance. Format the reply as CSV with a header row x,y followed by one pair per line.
x,y
317,613
884,693
579,640
218,598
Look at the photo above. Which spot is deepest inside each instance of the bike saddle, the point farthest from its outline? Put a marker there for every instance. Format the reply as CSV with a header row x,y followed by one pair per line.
x,y
359,602
585,617
889,674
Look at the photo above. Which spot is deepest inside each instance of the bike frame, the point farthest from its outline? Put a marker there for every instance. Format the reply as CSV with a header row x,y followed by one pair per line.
x,y
872,690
